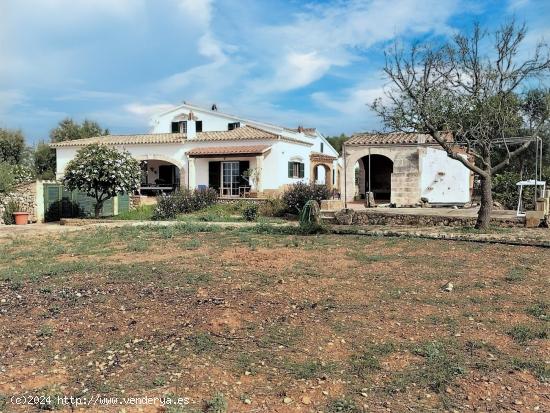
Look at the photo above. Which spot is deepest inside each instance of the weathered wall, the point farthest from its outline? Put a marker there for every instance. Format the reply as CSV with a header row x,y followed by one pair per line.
x,y
25,195
378,218
442,179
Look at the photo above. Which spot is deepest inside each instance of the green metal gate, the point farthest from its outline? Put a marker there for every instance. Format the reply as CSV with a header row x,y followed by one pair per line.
x,y
61,203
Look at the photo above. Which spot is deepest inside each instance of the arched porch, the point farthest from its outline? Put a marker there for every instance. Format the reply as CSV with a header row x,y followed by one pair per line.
x,y
321,172
160,173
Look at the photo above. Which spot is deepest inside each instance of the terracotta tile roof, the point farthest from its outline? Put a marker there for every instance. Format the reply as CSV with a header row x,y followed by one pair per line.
x,y
394,138
238,134
228,150
242,133
125,139
306,131
319,155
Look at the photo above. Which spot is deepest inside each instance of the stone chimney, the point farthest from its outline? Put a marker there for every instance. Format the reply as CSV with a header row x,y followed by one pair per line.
x,y
300,129
191,126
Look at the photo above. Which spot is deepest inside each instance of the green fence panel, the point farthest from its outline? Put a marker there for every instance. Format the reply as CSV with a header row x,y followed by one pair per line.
x,y
123,203
61,203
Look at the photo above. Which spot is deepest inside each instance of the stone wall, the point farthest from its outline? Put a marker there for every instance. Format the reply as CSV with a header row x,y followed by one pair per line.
x,y
25,195
380,218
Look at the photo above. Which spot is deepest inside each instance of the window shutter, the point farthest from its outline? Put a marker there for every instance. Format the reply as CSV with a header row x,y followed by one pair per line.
x,y
301,169
243,166
175,127
290,169
214,175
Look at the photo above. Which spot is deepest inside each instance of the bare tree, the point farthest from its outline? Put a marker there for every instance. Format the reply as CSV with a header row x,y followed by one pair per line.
x,y
475,96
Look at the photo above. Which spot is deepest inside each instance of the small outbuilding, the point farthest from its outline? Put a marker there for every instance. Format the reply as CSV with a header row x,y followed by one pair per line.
x,y
403,169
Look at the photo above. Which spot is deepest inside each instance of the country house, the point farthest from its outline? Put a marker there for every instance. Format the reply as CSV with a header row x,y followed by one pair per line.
x,y
193,147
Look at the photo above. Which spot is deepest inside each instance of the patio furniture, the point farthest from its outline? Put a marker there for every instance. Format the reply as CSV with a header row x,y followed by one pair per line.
x,y
244,191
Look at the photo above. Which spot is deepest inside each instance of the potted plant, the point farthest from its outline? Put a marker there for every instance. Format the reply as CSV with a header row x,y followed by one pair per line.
x,y
13,211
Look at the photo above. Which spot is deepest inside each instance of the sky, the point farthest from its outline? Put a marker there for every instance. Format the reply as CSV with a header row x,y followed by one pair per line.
x,y
317,64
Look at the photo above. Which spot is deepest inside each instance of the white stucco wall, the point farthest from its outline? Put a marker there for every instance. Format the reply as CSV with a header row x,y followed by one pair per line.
x,y
211,121
218,121
442,179
274,168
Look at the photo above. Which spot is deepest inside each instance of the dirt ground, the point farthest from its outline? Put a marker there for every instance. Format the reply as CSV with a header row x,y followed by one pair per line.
x,y
252,321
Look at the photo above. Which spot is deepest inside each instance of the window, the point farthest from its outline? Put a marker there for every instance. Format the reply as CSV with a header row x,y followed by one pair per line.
x,y
198,126
295,170
322,147
233,125
179,127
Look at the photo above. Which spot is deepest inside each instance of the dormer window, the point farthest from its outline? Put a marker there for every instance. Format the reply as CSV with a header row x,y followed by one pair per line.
x,y
179,127
233,125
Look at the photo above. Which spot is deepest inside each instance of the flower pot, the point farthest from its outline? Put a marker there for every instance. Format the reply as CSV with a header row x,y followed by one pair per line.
x,y
21,218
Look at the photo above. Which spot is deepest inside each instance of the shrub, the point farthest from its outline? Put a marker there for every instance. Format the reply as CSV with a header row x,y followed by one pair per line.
x,y
296,196
166,208
250,212
273,207
184,201
9,209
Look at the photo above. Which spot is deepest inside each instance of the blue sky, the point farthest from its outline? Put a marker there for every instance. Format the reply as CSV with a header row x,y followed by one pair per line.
x,y
287,62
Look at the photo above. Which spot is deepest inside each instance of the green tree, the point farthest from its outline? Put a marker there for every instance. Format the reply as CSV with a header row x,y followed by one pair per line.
x,y
7,180
337,141
471,92
44,161
12,146
68,130
102,173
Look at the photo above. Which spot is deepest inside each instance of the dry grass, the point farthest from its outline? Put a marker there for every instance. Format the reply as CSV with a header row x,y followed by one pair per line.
x,y
246,320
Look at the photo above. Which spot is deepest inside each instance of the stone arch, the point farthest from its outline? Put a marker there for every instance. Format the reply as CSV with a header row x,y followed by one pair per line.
x,y
327,170
159,157
399,155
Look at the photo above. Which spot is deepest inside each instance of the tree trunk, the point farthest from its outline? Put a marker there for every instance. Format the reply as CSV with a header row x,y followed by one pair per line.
x,y
484,214
97,208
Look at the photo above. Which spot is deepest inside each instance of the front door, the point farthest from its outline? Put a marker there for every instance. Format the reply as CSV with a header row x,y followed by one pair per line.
x,y
230,178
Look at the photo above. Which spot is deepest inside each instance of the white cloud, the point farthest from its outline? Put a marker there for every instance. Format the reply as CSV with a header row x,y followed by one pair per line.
x,y
201,10
143,110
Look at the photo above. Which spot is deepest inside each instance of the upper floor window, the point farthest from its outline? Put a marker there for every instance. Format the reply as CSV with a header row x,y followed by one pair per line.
x,y
322,147
179,127
198,126
295,170
233,125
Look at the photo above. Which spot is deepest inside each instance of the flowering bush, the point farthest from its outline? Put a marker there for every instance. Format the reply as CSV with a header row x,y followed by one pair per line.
x,y
23,173
102,173
184,201
298,194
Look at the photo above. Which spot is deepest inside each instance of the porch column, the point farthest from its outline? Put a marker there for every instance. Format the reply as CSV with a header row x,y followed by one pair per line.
x,y
191,172
260,167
